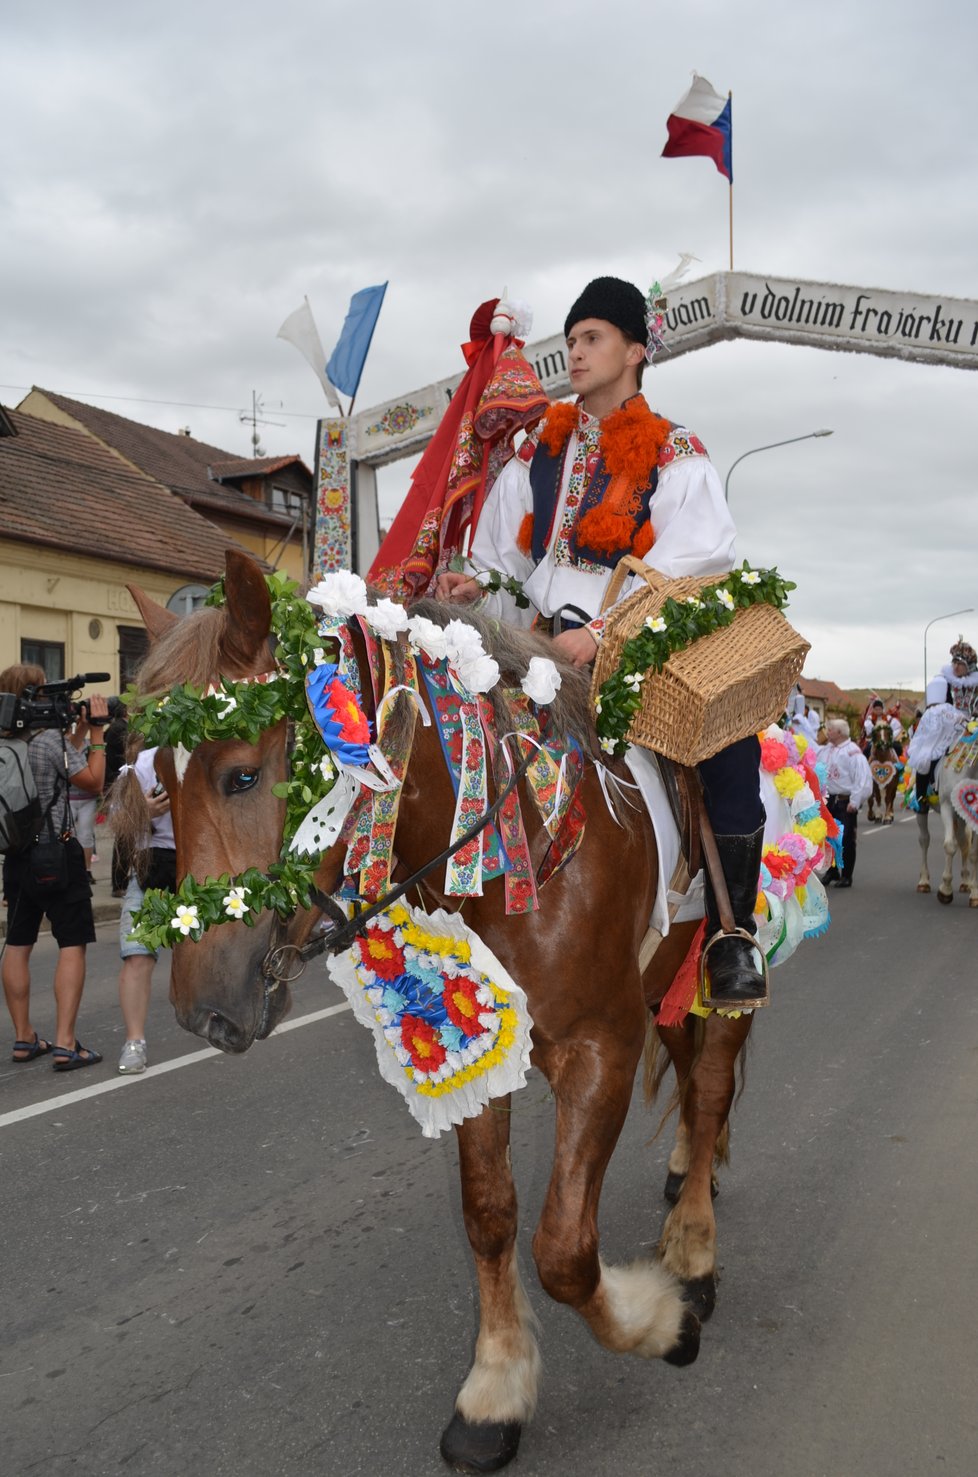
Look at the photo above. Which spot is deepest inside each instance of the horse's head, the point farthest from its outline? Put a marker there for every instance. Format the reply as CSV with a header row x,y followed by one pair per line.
x,y
225,817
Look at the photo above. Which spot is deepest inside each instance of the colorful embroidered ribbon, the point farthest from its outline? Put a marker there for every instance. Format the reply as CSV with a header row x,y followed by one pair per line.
x,y
467,768
521,891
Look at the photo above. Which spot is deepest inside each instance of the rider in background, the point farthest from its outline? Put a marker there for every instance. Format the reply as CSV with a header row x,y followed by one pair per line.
x,y
941,723
961,675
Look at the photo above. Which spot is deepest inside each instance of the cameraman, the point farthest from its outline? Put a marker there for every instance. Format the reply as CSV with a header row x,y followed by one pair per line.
x,y
69,910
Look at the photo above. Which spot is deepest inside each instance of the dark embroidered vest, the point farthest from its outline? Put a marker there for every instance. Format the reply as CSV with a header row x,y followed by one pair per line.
x,y
546,473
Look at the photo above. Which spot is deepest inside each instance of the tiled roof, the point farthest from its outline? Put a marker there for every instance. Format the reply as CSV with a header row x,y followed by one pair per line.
x,y
260,466
62,489
828,691
179,462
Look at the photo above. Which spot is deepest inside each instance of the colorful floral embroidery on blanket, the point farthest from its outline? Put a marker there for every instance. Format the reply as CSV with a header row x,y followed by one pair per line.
x,y
451,1029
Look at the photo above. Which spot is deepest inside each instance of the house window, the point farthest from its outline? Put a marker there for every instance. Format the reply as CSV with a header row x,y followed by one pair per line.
x,y
133,646
283,500
47,654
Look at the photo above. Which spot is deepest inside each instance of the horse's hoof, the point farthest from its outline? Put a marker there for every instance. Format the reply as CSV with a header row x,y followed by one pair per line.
x,y
480,1446
963,887
701,1295
688,1347
923,887
973,902
945,897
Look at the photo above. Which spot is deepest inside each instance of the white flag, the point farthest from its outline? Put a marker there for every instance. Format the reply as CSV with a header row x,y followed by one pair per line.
x,y
300,329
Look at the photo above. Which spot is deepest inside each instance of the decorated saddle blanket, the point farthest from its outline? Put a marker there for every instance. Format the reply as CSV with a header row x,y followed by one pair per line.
x,y
800,839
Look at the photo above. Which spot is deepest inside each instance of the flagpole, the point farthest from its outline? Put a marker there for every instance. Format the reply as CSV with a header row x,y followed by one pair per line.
x,y
730,100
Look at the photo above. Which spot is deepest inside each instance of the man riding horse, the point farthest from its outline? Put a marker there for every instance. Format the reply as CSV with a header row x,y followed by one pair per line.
x,y
600,479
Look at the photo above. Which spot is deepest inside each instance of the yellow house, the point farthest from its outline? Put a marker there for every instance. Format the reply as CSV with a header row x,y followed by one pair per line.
x,y
77,524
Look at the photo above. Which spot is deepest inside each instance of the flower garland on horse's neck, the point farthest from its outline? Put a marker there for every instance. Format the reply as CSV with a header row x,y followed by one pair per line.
x,y
186,717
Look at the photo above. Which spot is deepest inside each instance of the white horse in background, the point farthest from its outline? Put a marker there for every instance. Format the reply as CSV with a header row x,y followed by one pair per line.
x,y
957,786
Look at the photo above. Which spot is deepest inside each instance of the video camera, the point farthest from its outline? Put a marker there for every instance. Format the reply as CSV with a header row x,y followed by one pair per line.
x,y
48,705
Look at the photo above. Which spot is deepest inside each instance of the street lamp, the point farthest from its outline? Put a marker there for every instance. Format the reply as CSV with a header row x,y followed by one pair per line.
x,y
755,449
947,617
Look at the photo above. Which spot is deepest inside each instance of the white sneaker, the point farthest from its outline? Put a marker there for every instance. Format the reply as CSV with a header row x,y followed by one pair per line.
x,y
133,1058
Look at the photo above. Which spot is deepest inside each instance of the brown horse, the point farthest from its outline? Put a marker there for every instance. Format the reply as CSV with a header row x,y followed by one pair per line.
x,y
885,763
577,958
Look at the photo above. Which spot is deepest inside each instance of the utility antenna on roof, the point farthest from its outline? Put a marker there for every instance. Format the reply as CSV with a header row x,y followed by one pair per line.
x,y
256,419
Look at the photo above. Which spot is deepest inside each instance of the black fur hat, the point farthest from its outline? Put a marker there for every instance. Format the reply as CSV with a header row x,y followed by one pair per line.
x,y
615,302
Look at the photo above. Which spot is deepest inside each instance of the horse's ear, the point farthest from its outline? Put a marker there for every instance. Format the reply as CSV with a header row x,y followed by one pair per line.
x,y
156,618
249,608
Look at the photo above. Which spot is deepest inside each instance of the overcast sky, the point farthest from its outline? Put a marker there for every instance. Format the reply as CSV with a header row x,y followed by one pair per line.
x,y
176,177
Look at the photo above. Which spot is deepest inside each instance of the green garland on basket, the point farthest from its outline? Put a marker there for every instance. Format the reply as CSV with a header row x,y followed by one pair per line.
x,y
678,625
243,710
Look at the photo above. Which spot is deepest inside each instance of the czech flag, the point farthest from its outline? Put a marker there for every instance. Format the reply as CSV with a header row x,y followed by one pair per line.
x,y
702,123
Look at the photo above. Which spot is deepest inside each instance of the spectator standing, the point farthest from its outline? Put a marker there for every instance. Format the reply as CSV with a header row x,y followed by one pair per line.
x,y
84,805
144,829
849,785
55,764
115,758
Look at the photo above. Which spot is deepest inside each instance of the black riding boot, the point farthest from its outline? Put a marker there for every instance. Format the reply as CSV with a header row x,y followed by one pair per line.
x,y
732,962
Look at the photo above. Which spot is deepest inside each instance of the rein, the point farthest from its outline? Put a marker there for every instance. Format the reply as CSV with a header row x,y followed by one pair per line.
x,y
348,929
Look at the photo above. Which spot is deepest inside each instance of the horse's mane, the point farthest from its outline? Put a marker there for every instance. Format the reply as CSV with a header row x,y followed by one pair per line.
x,y
510,646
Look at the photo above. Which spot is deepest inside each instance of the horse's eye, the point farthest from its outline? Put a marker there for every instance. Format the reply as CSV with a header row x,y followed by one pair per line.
x,y
239,780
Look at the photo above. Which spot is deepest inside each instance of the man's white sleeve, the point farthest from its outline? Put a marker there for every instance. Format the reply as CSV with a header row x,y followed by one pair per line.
x,y
694,532
864,781
494,545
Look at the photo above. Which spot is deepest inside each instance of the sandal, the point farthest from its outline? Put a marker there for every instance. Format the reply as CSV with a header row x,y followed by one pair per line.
x,y
31,1049
69,1061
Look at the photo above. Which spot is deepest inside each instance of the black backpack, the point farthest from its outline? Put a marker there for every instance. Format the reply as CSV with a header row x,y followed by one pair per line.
x,y
20,808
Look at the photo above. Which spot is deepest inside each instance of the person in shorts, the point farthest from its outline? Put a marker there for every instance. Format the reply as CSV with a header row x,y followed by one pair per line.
x,y
54,763
141,814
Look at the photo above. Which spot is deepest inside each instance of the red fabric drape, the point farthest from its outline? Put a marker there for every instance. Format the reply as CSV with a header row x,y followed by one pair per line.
x,y
498,395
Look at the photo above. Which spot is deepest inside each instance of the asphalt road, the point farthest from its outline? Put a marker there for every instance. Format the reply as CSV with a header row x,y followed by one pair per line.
x,y
256,1265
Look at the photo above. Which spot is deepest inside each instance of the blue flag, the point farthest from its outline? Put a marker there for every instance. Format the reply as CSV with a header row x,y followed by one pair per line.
x,y
345,364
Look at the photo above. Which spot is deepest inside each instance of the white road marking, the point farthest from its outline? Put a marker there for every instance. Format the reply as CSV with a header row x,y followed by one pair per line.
x,y
879,829
95,1089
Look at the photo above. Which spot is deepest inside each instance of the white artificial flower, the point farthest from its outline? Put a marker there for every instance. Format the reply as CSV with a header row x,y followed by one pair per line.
x,y
340,593
750,577
234,904
387,620
477,673
464,641
428,637
542,681
318,656
186,919
692,600
634,680
326,768
655,623
608,744
725,598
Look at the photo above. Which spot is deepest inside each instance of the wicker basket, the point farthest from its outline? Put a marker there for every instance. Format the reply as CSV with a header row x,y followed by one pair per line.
x,y
720,689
